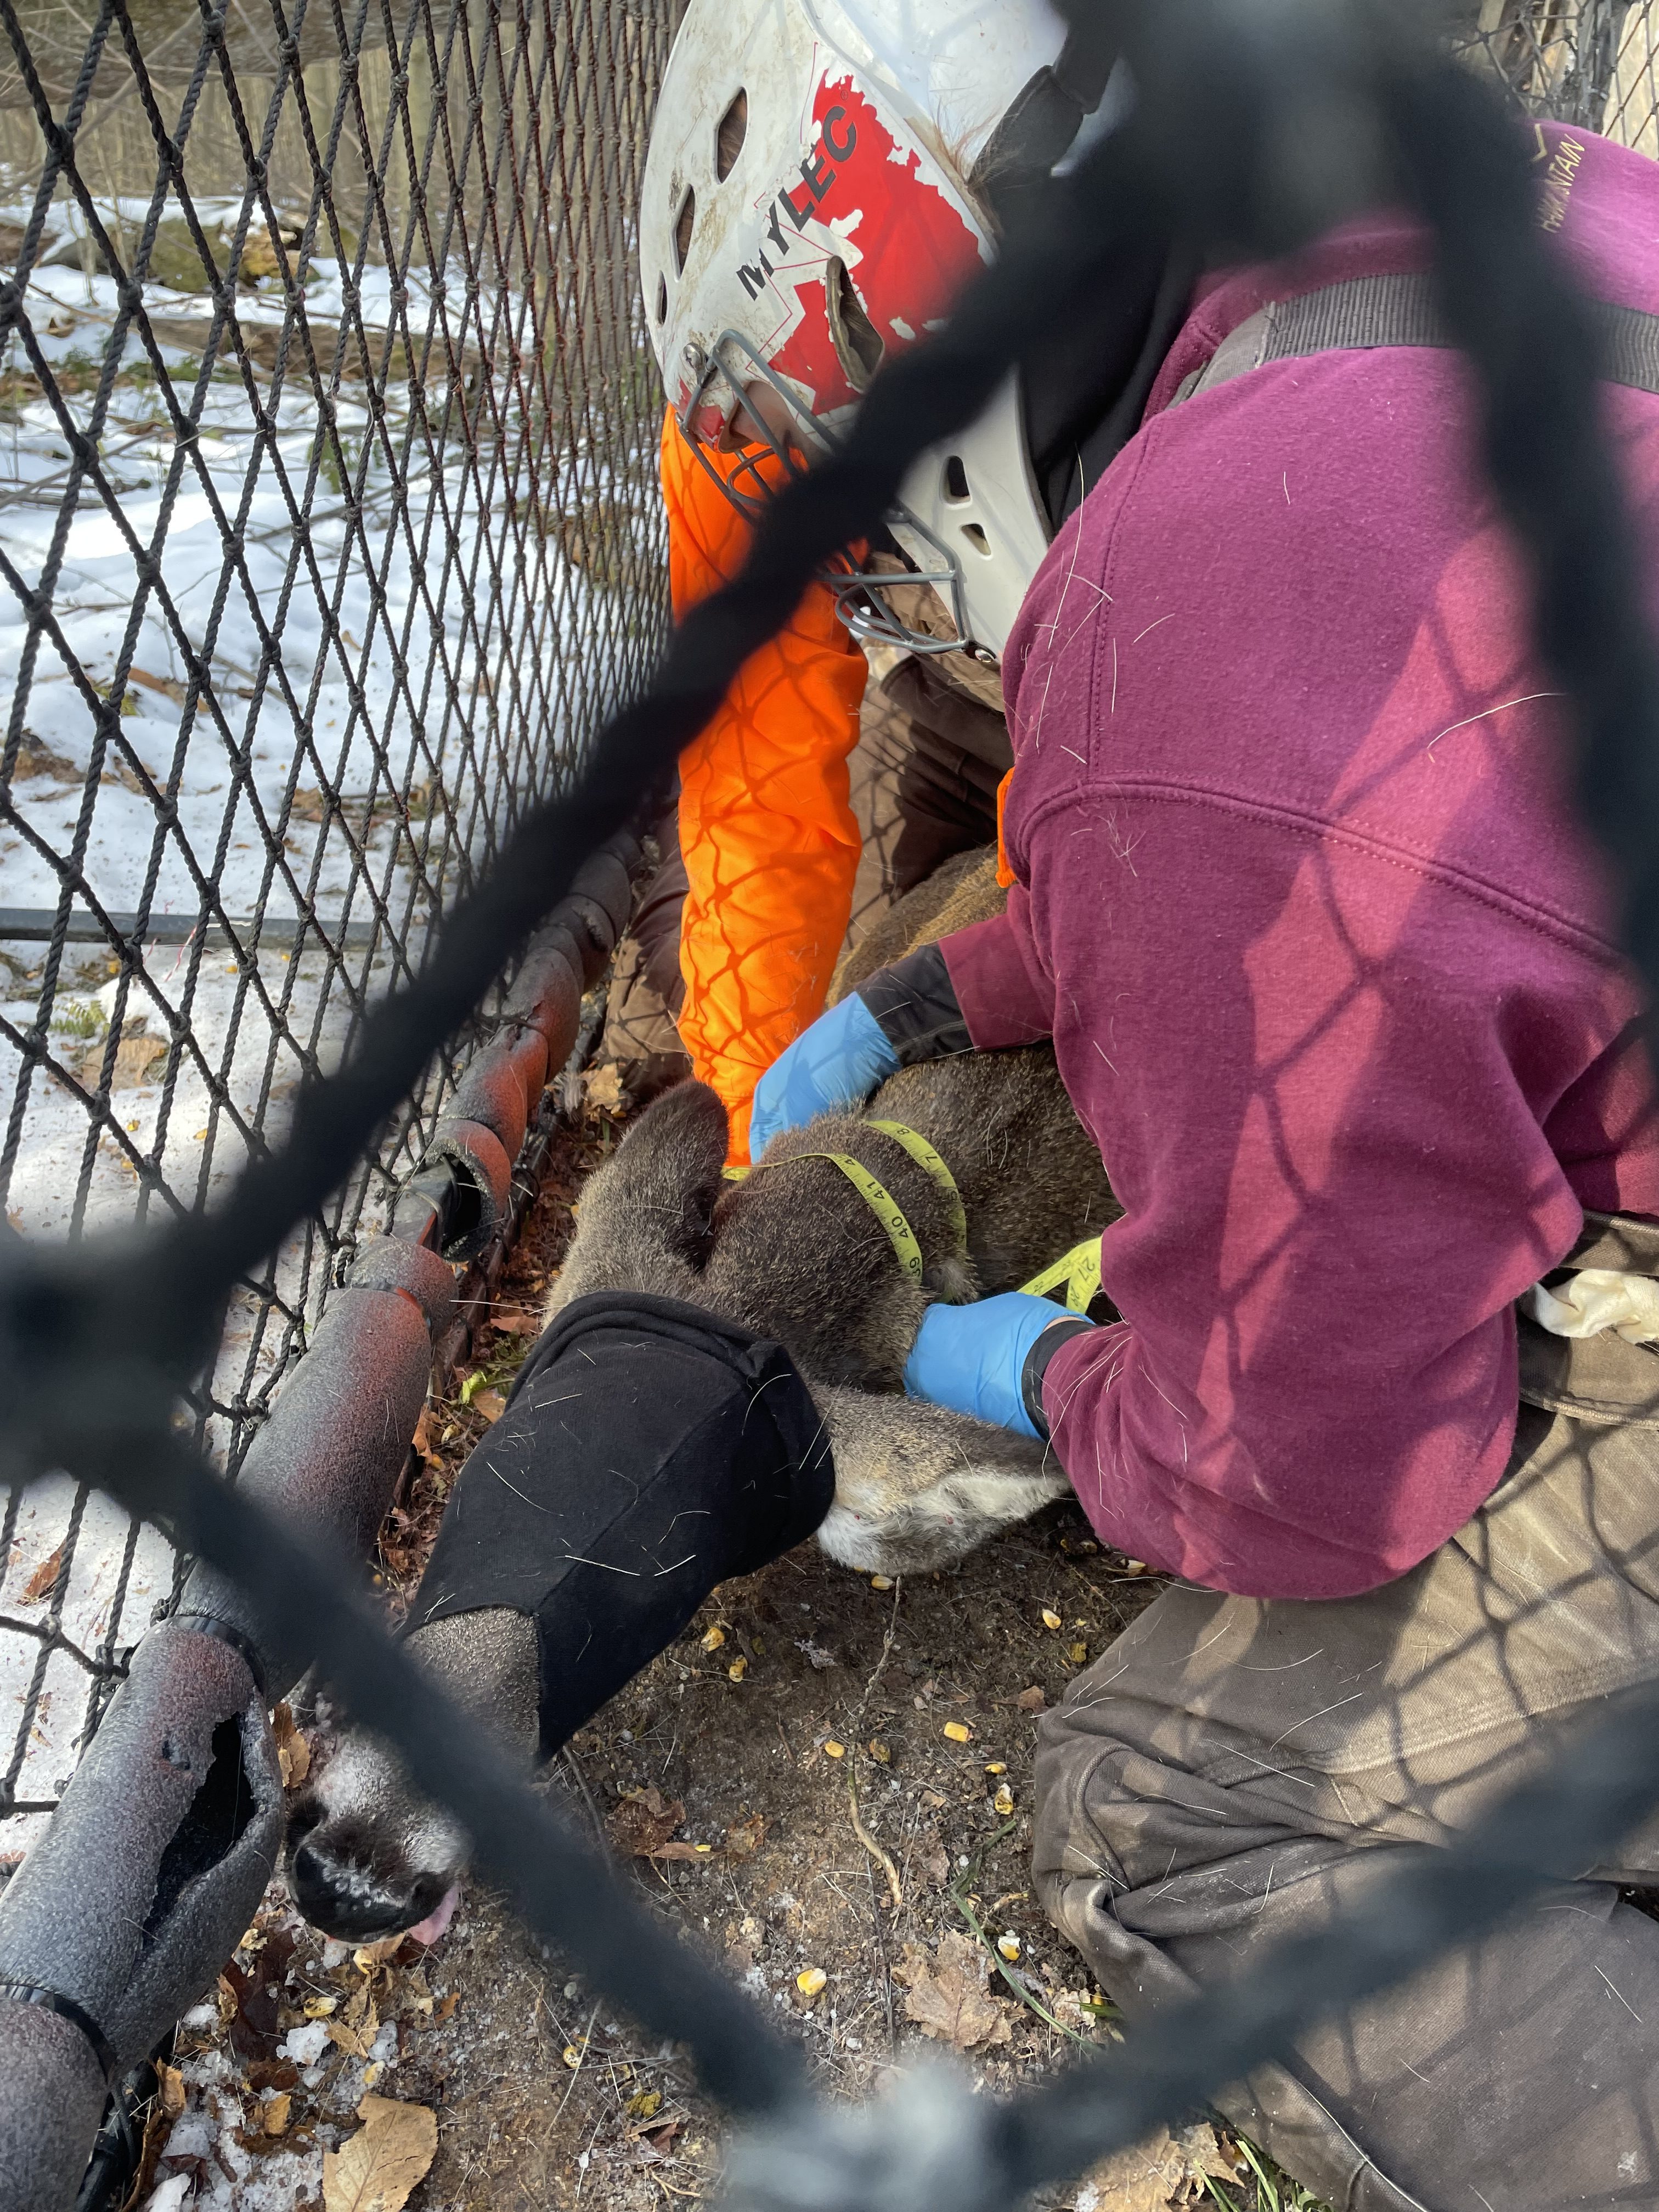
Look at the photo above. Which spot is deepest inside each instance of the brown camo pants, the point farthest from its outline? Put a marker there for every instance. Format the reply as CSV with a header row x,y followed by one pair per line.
x,y
1231,1773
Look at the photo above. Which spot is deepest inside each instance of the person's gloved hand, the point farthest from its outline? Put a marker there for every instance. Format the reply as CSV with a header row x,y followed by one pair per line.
x,y
973,1358
835,1063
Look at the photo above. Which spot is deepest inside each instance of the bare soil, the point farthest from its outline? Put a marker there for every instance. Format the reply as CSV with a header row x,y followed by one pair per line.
x,y
833,1773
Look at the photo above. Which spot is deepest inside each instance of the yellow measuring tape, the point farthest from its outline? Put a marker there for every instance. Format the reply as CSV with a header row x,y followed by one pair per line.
x,y
1078,1269
929,1162
881,1201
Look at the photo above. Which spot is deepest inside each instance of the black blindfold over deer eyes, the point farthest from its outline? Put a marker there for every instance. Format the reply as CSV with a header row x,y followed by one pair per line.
x,y
648,1451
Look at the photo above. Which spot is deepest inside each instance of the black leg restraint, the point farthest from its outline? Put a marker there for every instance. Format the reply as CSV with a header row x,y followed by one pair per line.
x,y
648,1452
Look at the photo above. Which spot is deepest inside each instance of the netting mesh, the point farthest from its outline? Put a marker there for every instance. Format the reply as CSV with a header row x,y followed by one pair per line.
x,y
327,441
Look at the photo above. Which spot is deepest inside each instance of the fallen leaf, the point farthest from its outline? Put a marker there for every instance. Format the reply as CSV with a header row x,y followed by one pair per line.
x,y
713,1638
375,2170
354,2032
958,1732
1146,2176
936,1864
1031,1701
658,2139
518,1324
682,1851
946,1995
165,684
40,1582
745,1837
425,1439
880,1752
603,1087
446,2006
491,1404
810,1980
1050,1619
273,2115
643,1821
293,1751
170,2080
368,1956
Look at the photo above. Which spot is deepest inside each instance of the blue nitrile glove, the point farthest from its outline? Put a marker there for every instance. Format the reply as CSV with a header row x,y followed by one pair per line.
x,y
973,1358
837,1063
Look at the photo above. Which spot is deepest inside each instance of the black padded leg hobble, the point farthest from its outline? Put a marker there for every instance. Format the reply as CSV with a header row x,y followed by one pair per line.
x,y
648,1452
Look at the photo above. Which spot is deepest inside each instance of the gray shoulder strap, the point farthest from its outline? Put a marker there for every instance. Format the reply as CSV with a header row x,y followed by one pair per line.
x,y
1398,311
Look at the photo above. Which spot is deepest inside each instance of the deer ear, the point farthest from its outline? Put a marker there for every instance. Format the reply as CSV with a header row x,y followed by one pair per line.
x,y
643,1222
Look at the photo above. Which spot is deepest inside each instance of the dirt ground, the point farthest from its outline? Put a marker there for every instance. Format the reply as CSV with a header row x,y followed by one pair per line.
x,y
825,1785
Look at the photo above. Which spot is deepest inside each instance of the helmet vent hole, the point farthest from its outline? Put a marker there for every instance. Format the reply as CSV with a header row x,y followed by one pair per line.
x,y
728,139
976,539
662,299
956,480
685,225
858,345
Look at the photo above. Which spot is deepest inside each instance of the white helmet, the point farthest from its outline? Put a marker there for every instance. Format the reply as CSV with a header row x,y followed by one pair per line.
x,y
806,215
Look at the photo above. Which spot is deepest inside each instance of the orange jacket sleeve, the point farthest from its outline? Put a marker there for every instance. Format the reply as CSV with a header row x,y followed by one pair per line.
x,y
769,841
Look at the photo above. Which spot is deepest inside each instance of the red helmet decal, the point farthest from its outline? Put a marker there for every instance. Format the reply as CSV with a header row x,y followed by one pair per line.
x,y
905,244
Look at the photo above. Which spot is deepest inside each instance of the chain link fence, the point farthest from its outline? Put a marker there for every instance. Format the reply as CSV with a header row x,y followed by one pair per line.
x,y
327,467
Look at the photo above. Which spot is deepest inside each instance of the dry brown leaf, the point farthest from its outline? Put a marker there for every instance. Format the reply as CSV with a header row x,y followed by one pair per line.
x,y
39,1583
293,1751
1031,1701
425,1439
354,2032
375,2170
518,1324
139,1058
169,688
1147,2176
170,2081
491,1404
745,1837
946,1995
603,1087
643,1821
273,2114
446,2006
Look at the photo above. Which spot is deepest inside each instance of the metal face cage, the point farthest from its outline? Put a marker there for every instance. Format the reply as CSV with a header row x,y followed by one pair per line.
x,y
724,377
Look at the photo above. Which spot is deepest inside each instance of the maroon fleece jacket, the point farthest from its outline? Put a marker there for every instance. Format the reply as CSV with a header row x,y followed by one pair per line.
x,y
1329,969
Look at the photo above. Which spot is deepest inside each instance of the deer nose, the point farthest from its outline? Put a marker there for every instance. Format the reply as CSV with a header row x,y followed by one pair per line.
x,y
339,1893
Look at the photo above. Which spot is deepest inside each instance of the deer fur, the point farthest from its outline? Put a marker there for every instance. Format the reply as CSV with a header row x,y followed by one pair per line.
x,y
794,1253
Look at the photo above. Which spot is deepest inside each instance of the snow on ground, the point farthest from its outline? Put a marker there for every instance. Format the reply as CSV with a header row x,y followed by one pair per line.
x,y
414,712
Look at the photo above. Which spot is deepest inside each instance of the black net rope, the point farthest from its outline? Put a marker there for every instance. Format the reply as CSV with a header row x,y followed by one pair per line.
x,y
1255,129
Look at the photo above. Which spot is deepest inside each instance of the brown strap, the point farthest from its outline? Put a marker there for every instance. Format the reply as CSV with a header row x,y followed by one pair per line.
x,y
1398,311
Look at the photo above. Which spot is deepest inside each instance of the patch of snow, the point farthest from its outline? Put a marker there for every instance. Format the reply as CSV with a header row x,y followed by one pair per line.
x,y
305,2046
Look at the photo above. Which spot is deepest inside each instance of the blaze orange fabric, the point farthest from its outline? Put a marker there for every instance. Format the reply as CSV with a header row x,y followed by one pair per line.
x,y
769,841
1006,877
